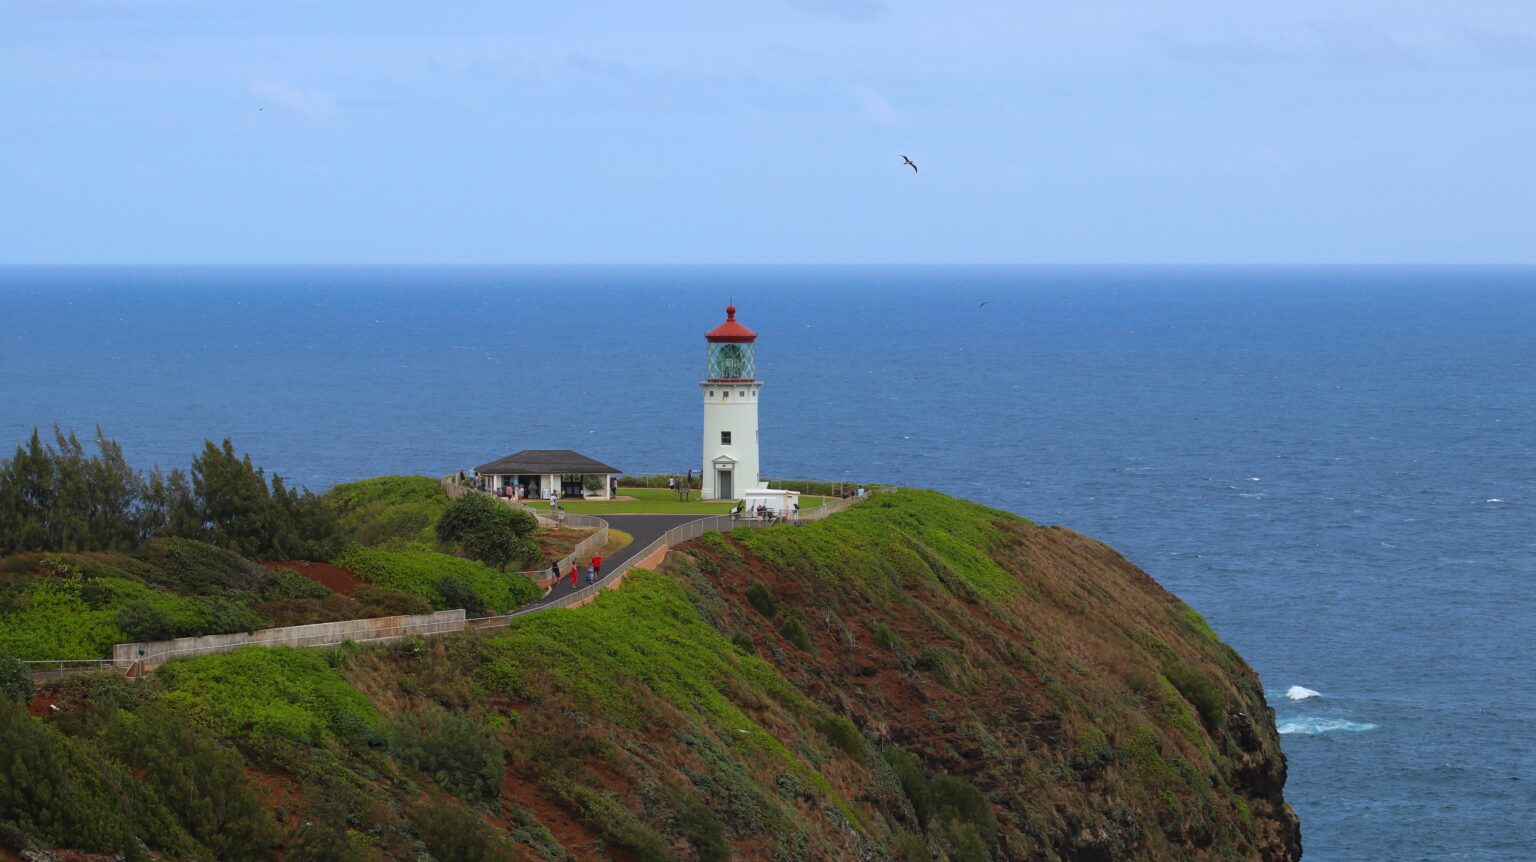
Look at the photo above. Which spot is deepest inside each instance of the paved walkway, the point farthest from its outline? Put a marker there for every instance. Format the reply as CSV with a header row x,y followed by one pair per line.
x,y
645,528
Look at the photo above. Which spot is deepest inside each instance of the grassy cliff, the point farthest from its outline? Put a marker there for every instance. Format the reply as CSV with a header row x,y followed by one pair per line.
x,y
918,678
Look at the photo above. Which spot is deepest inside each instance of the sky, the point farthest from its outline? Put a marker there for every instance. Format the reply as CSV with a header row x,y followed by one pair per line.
x,y
1078,131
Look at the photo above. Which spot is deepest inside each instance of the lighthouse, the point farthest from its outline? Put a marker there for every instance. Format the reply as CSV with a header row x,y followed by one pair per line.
x,y
730,389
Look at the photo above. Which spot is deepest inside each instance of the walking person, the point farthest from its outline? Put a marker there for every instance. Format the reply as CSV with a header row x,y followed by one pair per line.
x,y
597,564
575,574
554,572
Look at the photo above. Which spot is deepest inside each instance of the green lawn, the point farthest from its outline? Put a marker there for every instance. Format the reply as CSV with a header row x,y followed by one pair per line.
x,y
658,501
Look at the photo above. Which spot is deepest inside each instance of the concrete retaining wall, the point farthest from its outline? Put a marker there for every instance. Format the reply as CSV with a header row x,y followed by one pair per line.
x,y
314,635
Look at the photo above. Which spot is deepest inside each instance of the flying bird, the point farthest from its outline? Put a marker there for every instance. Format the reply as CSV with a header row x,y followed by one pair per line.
x,y
908,161
984,304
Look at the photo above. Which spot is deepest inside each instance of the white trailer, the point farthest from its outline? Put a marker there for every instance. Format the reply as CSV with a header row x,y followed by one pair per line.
x,y
777,503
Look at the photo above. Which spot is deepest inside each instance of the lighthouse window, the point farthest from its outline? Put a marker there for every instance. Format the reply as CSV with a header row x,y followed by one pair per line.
x,y
725,438
742,393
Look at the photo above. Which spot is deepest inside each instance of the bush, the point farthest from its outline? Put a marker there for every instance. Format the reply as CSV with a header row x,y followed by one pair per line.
x,y
743,642
489,531
14,682
887,638
1197,688
956,799
794,632
399,511
704,831
841,732
266,695
190,566
761,597
913,781
376,601
141,621
462,757
460,595
964,842
455,834
58,792
419,573
288,584
202,783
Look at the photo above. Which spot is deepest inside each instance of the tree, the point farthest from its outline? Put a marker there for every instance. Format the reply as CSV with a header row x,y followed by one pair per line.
x,y
489,531
14,682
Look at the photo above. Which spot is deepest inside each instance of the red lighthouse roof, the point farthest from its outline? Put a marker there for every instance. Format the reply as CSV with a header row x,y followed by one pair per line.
x,y
731,332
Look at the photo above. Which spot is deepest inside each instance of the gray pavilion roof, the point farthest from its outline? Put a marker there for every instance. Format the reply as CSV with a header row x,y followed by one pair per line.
x,y
531,461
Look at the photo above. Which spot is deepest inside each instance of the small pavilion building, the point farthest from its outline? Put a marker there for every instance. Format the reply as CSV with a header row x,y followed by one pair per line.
x,y
536,473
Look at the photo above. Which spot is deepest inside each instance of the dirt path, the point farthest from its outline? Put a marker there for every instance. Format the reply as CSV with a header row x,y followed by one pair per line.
x,y
337,579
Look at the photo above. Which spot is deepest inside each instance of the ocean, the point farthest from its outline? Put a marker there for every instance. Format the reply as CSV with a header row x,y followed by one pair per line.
x,y
1336,466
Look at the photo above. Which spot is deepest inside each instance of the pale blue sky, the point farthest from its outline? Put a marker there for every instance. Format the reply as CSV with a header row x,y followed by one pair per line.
x,y
1103,132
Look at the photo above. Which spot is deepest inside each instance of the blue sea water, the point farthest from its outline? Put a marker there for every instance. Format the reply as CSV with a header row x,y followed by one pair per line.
x,y
1336,466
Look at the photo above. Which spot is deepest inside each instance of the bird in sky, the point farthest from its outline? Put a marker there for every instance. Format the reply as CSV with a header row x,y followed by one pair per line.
x,y
985,304
908,161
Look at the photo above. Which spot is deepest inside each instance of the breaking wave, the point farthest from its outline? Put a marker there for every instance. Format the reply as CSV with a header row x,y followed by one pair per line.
x,y
1297,692
1309,726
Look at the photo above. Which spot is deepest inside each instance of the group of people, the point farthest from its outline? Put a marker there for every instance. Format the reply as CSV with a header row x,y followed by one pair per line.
x,y
594,570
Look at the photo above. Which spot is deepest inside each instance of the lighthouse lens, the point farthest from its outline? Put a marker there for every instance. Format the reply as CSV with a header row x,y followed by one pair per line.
x,y
730,362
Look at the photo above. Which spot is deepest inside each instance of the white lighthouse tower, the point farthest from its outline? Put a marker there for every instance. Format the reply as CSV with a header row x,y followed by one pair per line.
x,y
730,411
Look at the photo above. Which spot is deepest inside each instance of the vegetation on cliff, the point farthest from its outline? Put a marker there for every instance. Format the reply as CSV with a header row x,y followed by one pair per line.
x,y
917,678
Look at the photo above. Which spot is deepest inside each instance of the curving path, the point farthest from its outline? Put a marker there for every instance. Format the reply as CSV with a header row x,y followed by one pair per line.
x,y
645,528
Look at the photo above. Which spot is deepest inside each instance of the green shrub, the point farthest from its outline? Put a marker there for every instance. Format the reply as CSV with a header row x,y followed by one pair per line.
x,y
761,597
419,573
1201,693
914,782
462,757
705,831
55,620
954,798
458,594
841,732
202,783
904,534
191,566
795,633
455,834
963,841
490,531
269,694
743,641
397,511
15,684
141,621
911,848
288,584
887,638
376,601
58,792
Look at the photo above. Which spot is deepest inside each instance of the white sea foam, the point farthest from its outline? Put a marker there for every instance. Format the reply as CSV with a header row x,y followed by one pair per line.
x,y
1310,726
1297,692
1495,500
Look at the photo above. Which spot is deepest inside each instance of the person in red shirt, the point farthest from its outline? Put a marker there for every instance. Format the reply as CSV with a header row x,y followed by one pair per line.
x,y
597,564
575,573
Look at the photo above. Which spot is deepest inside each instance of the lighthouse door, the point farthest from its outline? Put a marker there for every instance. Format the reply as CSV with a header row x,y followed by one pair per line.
x,y
723,489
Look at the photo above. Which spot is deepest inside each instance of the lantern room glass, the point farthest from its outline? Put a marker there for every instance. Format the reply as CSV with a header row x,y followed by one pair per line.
x,y
731,361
